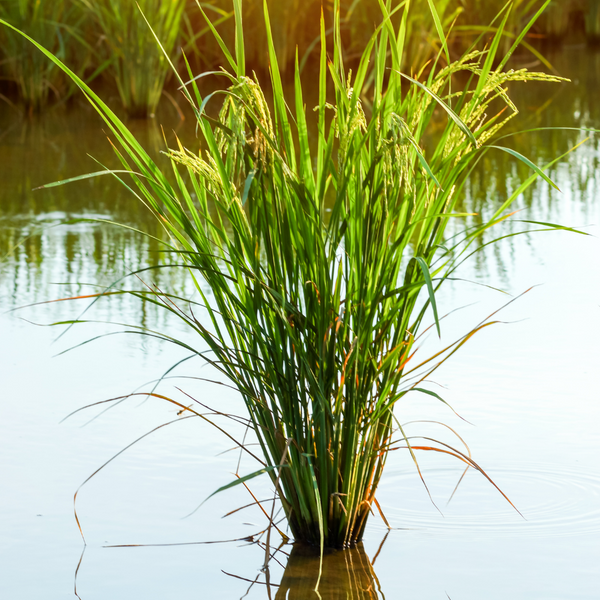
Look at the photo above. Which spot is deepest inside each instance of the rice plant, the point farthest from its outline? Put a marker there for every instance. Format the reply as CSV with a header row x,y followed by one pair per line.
x,y
137,64
53,24
555,21
323,255
592,21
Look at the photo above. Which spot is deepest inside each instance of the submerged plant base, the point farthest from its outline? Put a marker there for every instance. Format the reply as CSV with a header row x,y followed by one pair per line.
x,y
339,535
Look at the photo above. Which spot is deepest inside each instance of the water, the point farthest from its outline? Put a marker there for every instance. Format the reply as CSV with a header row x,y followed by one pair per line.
x,y
529,387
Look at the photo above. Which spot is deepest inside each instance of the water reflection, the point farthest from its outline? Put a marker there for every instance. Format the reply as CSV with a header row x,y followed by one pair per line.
x,y
51,243
346,574
555,503
292,575
545,106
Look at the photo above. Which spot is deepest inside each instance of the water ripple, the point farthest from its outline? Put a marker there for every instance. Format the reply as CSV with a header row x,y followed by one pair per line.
x,y
553,502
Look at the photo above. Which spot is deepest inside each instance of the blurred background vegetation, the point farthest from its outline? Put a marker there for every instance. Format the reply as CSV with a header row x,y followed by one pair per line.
x,y
108,42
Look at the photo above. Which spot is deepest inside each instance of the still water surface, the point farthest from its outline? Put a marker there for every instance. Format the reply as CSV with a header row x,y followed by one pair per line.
x,y
529,387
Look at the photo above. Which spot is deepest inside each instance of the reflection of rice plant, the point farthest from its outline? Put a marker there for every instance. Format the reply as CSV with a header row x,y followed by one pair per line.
x,y
323,259
347,574
137,63
54,24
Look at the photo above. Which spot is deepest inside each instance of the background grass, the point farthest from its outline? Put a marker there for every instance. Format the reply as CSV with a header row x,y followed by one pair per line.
x,y
134,59
93,35
57,26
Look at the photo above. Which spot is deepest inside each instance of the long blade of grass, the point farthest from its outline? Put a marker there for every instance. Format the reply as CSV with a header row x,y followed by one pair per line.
x,y
528,162
244,479
427,276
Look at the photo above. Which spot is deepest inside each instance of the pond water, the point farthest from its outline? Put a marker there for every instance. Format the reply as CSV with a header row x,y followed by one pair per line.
x,y
528,387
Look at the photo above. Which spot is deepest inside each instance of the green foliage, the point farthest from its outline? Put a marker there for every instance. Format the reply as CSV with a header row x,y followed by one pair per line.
x,y
323,255
92,35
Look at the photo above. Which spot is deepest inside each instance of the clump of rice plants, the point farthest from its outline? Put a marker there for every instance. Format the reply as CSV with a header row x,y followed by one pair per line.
x,y
137,64
54,24
323,258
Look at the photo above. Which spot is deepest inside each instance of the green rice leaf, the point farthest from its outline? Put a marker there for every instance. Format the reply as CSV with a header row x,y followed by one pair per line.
x,y
522,34
530,164
247,185
439,28
438,397
427,276
219,39
245,478
552,226
86,176
424,162
240,56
